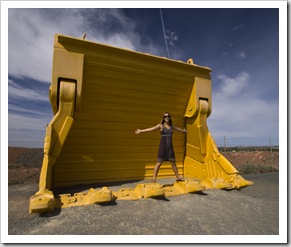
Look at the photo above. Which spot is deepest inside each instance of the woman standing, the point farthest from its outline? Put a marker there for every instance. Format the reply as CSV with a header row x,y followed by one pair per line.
x,y
166,150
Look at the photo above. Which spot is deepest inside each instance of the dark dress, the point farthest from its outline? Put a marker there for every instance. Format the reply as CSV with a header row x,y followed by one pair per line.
x,y
166,150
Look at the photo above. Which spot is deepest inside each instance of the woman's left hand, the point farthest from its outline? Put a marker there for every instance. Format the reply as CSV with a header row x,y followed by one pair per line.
x,y
137,131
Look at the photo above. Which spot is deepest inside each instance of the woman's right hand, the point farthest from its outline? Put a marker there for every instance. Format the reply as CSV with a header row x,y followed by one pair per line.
x,y
137,131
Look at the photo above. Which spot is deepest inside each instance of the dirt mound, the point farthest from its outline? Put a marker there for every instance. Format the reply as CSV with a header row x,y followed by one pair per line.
x,y
257,161
25,163
23,175
28,157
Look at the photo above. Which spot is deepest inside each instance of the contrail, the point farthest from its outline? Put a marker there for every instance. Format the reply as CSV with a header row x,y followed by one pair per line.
x,y
164,33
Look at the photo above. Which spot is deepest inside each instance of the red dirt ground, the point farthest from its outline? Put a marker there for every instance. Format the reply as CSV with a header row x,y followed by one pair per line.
x,y
24,164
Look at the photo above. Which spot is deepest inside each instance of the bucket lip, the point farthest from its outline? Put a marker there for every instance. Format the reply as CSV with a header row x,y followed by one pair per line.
x,y
66,40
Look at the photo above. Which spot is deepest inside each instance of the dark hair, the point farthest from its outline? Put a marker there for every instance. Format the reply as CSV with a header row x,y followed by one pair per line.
x,y
170,121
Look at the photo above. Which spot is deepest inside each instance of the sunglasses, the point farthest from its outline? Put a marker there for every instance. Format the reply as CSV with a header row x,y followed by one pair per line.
x,y
167,116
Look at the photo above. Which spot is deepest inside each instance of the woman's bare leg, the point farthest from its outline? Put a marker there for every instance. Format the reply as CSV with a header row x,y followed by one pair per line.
x,y
156,170
175,169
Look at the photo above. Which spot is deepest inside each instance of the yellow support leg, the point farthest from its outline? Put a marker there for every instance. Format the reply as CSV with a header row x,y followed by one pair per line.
x,y
203,160
56,134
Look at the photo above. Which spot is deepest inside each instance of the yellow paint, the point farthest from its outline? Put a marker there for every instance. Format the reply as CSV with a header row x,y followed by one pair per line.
x,y
99,96
141,191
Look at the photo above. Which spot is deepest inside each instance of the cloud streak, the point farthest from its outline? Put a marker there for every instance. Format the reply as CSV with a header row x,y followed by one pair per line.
x,y
236,27
31,33
21,92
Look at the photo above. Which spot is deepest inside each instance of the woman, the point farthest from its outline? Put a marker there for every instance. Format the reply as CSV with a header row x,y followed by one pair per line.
x,y
166,150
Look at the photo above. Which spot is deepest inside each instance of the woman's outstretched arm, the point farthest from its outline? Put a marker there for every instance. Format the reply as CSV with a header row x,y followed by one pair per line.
x,y
148,129
178,129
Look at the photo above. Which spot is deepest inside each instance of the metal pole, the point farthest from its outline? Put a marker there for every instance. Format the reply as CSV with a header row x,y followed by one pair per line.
x,y
271,151
224,145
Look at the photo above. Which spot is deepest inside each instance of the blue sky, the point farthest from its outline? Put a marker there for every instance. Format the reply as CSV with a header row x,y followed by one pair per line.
x,y
240,45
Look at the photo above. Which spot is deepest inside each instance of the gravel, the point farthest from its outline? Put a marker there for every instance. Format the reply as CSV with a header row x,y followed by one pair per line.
x,y
253,210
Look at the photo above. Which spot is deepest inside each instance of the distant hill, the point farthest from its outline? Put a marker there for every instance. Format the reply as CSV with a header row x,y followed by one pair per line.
x,y
28,157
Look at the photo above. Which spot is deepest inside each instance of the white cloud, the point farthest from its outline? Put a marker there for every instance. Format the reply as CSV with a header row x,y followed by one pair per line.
x,y
171,37
30,45
117,39
31,34
241,55
232,86
237,113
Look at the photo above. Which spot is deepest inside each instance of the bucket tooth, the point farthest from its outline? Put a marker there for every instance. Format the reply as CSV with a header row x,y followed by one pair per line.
x,y
41,203
140,191
223,185
126,194
193,186
216,183
102,196
207,183
149,190
81,199
183,187
240,182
